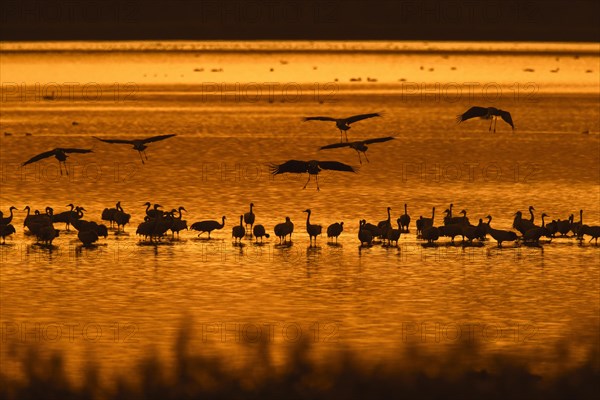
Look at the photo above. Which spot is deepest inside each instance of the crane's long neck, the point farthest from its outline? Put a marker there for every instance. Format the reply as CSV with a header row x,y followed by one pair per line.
x,y
433,214
389,216
147,207
28,210
531,213
405,211
308,218
223,222
241,220
581,216
450,209
489,218
251,205
543,222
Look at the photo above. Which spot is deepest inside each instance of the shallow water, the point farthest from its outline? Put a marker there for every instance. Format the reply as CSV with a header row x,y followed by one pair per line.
x,y
111,303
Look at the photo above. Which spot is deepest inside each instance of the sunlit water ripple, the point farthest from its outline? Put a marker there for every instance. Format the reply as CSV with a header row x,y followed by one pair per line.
x,y
124,296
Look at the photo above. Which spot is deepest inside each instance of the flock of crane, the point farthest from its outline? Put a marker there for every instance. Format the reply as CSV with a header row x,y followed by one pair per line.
x,y
312,167
157,223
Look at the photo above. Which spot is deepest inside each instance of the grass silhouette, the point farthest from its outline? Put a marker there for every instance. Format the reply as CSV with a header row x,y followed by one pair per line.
x,y
463,373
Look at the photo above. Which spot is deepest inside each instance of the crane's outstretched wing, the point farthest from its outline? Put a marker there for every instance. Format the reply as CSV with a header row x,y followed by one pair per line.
x,y
336,145
378,140
39,157
360,117
336,166
293,166
73,150
472,112
114,140
319,119
157,138
505,115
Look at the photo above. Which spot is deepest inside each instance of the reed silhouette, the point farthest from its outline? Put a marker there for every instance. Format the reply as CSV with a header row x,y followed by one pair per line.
x,y
464,372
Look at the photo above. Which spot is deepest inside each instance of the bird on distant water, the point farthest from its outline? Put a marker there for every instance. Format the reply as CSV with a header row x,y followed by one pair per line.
x,y
593,231
312,167
9,229
360,146
238,231
334,230
313,229
249,218
60,154
500,235
343,124
138,144
7,220
259,232
208,226
404,219
283,229
490,113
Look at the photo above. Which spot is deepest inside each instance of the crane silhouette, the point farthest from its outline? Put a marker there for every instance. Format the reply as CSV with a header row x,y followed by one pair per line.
x,y
59,153
343,124
490,113
138,144
313,167
360,146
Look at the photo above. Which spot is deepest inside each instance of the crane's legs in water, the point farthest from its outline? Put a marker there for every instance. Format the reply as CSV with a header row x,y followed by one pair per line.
x,y
341,136
359,160
306,182
316,179
60,163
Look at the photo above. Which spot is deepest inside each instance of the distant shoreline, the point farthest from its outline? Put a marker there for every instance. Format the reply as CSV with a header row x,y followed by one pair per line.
x,y
304,47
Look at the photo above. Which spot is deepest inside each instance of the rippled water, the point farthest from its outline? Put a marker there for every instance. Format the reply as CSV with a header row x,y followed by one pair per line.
x,y
113,302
